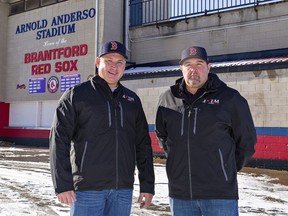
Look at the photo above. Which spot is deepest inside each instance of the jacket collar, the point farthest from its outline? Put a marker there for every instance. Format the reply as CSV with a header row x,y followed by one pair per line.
x,y
99,83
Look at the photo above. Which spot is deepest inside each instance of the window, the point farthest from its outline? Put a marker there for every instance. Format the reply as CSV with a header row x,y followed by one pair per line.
x,y
21,6
17,7
48,2
32,4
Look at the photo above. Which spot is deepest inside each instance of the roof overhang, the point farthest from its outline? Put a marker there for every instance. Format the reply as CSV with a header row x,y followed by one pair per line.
x,y
216,67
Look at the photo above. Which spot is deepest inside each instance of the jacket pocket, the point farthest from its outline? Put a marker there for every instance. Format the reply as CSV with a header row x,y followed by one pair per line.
x,y
83,157
222,165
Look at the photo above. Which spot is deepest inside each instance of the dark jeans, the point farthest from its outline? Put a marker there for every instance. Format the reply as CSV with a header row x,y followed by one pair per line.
x,y
209,207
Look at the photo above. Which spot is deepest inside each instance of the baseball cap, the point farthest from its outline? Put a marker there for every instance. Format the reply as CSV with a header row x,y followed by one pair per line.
x,y
113,47
194,52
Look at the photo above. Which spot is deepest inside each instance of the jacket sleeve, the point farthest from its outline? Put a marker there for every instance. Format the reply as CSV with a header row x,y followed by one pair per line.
x,y
144,156
60,143
244,131
160,127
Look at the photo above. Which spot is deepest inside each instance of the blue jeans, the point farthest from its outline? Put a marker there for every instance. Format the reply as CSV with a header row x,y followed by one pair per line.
x,y
105,202
201,207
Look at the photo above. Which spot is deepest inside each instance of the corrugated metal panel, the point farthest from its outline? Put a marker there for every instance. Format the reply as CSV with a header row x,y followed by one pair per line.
x,y
237,63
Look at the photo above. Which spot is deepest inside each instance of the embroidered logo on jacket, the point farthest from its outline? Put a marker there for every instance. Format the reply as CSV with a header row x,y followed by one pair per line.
x,y
211,101
128,98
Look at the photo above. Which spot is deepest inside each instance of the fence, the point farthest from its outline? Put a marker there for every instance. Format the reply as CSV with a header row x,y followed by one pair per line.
x,y
143,12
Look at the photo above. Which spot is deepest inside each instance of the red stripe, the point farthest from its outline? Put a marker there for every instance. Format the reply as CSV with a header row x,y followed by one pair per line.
x,y
272,147
267,147
24,133
4,114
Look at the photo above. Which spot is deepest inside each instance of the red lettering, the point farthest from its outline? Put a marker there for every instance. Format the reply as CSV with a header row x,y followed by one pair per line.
x,y
67,52
73,65
83,49
66,66
34,69
75,50
27,58
47,55
41,69
33,57
46,68
58,53
40,56
58,67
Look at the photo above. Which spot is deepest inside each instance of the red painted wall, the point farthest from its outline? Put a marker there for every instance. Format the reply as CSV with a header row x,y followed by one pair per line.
x,y
24,133
272,147
4,114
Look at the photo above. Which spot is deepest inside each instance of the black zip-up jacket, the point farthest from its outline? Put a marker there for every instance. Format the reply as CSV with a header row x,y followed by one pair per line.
x,y
97,137
207,138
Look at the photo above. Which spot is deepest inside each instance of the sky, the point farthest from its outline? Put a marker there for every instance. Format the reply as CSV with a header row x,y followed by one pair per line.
x,y
26,189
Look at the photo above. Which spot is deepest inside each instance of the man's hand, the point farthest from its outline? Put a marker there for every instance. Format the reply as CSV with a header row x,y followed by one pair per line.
x,y
145,199
67,197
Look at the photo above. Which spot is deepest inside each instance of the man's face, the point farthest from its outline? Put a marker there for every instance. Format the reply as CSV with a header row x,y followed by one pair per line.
x,y
195,72
111,68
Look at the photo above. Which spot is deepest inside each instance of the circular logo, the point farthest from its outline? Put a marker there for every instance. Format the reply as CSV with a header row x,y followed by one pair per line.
x,y
53,84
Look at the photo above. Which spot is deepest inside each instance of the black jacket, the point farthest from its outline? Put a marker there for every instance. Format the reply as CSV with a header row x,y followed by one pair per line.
x,y
207,137
97,137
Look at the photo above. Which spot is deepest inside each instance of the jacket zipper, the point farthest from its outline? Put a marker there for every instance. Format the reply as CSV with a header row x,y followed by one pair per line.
x,y
117,147
188,140
189,159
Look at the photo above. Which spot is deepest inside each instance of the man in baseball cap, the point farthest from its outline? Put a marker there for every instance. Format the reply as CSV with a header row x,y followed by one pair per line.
x,y
205,127
100,123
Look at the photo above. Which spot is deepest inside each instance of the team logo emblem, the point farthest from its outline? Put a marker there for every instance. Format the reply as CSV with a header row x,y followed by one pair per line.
x,y
211,101
53,84
114,45
128,98
193,51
